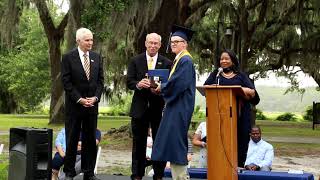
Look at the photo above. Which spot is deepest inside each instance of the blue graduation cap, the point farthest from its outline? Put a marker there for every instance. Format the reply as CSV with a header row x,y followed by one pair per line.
x,y
183,32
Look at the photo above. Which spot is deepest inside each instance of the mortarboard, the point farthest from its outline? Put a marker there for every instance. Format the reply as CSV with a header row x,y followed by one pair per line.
x,y
183,32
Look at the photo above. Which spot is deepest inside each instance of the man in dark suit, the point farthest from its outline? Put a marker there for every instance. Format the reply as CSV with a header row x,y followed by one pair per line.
x,y
147,105
82,77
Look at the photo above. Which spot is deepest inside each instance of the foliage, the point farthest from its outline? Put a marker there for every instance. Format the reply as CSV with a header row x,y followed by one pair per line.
x,y
287,117
260,115
308,116
24,70
4,167
197,114
120,107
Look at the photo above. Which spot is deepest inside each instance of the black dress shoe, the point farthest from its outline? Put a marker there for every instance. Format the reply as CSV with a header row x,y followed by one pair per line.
x,y
90,178
69,178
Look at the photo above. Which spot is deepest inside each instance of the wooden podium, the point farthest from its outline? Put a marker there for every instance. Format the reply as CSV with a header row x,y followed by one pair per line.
x,y
221,131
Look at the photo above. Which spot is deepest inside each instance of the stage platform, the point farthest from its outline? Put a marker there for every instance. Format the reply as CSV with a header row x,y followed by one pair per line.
x,y
116,177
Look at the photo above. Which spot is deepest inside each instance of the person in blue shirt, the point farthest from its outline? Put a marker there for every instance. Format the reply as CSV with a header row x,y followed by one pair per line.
x,y
260,153
58,159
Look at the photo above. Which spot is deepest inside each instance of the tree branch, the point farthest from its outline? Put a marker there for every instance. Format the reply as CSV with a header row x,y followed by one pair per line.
x,y
262,15
45,17
254,4
278,26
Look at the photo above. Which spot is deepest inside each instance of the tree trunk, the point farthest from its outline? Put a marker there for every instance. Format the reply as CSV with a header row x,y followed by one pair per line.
x,y
74,22
55,37
7,103
161,24
57,95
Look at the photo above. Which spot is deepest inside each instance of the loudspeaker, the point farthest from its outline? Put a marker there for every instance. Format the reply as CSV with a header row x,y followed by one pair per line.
x,y
30,153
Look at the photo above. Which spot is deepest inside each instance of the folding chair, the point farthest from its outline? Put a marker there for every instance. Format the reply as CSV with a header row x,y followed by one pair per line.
x,y
97,160
1,148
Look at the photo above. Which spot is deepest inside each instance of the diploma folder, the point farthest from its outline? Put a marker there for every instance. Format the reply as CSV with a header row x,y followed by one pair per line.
x,y
158,75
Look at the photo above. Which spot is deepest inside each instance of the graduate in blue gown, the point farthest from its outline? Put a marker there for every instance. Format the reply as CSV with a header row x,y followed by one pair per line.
x,y
231,75
171,143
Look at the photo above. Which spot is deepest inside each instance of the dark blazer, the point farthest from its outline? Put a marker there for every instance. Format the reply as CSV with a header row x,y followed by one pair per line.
x,y
76,84
144,98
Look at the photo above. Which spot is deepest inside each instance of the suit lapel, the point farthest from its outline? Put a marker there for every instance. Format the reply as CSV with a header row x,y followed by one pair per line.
x,y
77,62
159,63
93,62
144,63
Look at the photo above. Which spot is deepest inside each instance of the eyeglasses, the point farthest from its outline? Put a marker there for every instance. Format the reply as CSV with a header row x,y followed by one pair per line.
x,y
153,43
176,42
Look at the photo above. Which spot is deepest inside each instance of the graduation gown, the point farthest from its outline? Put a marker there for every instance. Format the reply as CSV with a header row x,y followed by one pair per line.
x,y
171,142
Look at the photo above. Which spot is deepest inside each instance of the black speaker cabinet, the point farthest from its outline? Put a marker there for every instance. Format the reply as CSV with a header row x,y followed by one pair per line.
x,y
30,153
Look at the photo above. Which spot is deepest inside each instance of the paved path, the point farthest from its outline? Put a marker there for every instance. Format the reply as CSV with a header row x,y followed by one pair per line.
x,y
308,140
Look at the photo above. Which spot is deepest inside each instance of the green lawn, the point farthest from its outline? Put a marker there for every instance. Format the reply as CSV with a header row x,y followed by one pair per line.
x,y
288,129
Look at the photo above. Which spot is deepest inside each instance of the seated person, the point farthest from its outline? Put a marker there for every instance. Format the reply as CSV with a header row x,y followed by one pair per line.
x,y
260,153
199,139
58,159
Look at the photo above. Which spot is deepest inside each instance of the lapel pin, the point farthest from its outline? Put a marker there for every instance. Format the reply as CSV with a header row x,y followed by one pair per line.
x,y
159,63
92,60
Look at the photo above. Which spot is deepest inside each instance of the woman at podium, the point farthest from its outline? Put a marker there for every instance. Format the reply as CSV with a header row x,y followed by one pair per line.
x,y
228,73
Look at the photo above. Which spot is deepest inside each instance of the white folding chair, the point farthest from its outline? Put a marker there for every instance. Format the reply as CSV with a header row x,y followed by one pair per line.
x,y
1,148
97,160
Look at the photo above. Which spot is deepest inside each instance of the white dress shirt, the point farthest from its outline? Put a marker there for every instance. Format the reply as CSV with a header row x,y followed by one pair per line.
x,y
81,53
260,153
154,58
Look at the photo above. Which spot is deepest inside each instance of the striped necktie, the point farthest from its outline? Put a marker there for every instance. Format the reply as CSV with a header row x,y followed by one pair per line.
x,y
86,65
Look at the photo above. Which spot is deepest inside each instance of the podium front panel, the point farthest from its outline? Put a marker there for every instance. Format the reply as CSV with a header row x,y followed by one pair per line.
x,y
222,133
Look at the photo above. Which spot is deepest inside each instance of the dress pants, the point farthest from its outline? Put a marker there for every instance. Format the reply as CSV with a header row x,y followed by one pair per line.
x,y
243,140
87,124
140,133
179,172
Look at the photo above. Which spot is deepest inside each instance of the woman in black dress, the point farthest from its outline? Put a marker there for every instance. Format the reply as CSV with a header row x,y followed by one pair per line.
x,y
231,75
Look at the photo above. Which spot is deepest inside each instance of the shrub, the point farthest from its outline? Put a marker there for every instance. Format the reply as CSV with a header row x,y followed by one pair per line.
x,y
198,114
308,113
260,115
287,117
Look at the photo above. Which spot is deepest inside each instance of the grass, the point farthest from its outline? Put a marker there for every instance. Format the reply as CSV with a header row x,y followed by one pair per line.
x,y
288,129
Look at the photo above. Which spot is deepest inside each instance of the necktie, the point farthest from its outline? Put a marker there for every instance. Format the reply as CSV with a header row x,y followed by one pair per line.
x,y
150,63
86,66
174,61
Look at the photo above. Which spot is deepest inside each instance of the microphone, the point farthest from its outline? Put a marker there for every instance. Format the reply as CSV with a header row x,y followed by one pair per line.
x,y
220,70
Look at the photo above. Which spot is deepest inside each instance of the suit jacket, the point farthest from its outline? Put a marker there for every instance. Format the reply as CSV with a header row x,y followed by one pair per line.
x,y
142,99
76,84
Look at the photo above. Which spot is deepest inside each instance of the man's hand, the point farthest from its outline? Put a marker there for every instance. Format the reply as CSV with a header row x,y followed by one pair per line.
x,y
252,167
158,89
144,83
88,101
153,90
79,146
